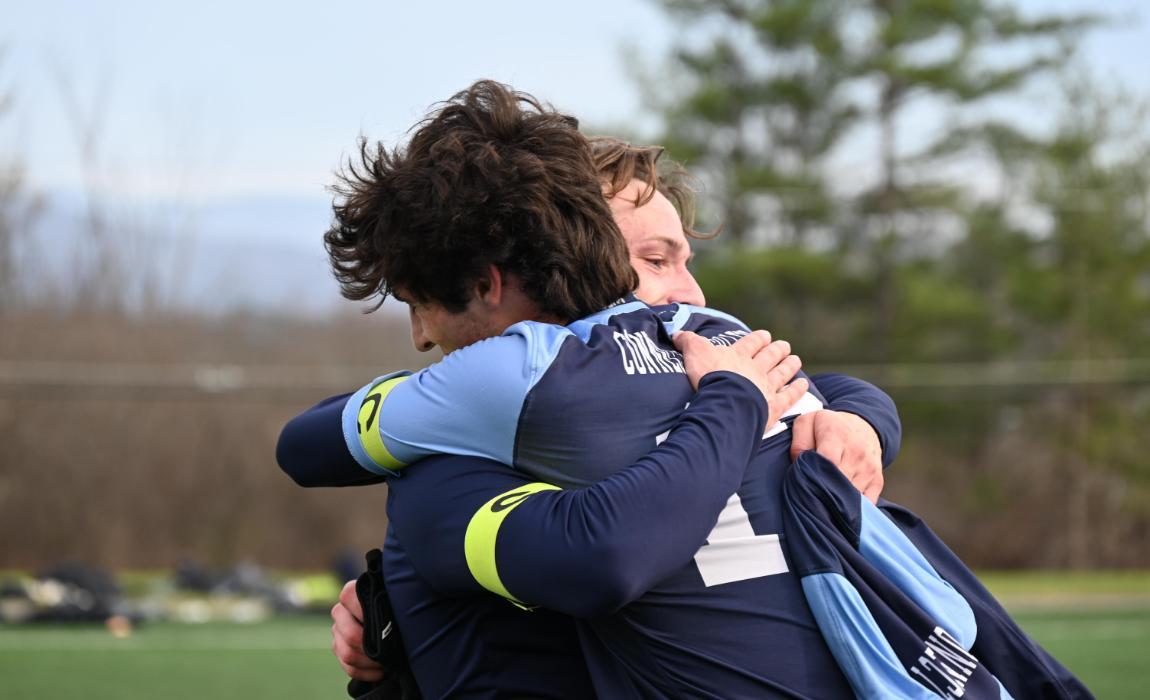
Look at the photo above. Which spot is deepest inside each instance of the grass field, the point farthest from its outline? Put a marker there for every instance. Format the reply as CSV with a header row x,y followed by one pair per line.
x,y
1099,627
281,658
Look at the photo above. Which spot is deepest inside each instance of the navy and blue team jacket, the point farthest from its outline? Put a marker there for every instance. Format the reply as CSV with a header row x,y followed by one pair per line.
x,y
566,404
902,614
675,604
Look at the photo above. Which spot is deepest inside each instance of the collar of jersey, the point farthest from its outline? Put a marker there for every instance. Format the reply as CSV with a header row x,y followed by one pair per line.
x,y
681,313
673,316
583,327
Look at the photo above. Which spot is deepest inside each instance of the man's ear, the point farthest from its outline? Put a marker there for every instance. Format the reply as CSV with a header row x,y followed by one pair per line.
x,y
489,288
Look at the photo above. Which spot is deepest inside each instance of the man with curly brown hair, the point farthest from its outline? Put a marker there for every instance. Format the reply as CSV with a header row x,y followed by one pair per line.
x,y
459,224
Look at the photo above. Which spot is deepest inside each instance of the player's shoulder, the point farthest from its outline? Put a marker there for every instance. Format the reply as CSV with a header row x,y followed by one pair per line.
x,y
511,361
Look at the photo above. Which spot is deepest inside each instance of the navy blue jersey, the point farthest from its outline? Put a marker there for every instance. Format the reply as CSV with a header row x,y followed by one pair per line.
x,y
596,548
670,605
566,404
721,617
901,613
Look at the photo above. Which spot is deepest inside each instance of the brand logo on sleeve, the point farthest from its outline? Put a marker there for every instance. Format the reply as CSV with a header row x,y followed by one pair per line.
x,y
510,500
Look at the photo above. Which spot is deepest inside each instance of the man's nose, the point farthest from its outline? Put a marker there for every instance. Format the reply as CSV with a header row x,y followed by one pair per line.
x,y
421,342
688,291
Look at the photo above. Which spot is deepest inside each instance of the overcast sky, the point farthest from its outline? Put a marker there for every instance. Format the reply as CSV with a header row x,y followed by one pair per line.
x,y
240,111
267,95
259,97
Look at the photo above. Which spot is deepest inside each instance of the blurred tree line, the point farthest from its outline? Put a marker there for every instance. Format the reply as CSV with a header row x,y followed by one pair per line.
x,y
897,197
138,433
935,195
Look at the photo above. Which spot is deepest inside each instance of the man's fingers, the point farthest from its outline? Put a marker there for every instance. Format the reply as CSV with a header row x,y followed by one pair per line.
x,y
867,476
354,662
347,637
784,399
794,391
348,656
684,339
367,675
350,600
750,345
802,435
772,355
874,488
783,370
346,627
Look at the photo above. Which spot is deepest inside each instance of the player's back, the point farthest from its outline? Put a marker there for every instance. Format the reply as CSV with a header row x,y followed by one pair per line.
x,y
570,406
730,623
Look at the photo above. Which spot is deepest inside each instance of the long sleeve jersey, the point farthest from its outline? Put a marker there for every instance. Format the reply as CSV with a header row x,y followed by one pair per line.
x,y
676,604
548,400
474,524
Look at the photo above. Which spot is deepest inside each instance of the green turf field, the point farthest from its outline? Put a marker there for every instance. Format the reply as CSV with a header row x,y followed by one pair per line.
x,y
1099,630
282,658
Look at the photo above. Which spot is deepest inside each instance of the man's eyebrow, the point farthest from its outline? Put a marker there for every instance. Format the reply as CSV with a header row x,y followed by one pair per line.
x,y
665,241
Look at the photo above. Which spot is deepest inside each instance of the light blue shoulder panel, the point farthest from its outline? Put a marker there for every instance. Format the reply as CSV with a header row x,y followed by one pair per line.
x,y
887,549
863,653
467,404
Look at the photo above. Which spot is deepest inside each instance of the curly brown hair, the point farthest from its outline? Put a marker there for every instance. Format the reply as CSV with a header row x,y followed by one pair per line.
x,y
619,162
491,177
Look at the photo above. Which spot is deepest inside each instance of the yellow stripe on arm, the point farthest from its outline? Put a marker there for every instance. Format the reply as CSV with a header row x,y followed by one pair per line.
x,y
368,424
483,531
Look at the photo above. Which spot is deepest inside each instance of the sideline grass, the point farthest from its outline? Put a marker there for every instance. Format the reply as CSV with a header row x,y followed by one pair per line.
x,y
1098,625
283,658
1104,648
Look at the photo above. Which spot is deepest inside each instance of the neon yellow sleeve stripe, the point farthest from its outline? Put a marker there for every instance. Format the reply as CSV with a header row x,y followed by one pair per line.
x,y
483,530
368,420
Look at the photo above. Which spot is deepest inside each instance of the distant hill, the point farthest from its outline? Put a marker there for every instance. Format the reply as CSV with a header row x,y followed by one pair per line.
x,y
259,253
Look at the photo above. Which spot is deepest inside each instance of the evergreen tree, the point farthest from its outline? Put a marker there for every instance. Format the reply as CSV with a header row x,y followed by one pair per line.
x,y
767,93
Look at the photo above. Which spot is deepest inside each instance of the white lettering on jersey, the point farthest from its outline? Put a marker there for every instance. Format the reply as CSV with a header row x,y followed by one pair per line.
x,y
735,553
641,355
727,338
944,666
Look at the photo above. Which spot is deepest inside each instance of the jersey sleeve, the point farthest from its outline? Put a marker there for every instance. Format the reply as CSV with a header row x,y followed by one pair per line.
x,y
467,404
583,552
311,449
867,401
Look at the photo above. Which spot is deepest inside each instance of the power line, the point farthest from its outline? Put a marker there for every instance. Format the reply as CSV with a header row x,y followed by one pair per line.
x,y
29,380
25,380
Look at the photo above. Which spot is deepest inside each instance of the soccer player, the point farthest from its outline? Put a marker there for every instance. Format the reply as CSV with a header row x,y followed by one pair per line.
x,y
521,386
640,194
